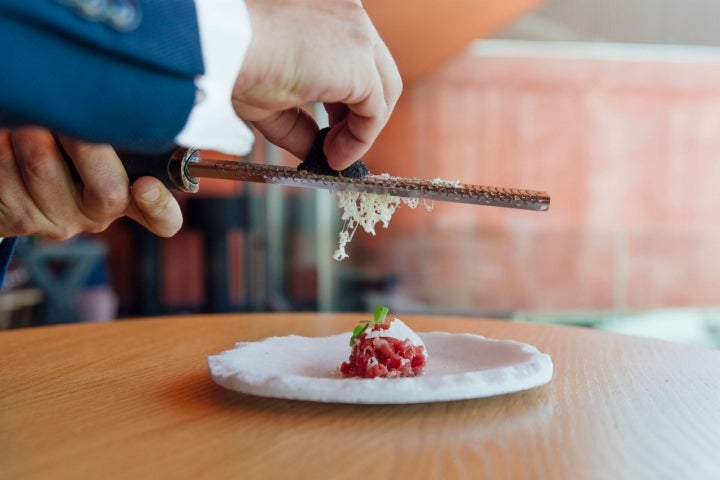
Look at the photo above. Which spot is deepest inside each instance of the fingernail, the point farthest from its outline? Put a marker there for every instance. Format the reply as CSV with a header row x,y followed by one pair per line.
x,y
151,196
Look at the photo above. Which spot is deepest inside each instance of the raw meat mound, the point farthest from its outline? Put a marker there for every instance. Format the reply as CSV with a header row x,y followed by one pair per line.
x,y
384,357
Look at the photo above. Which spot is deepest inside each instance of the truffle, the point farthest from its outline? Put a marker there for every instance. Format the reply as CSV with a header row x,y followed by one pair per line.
x,y
316,161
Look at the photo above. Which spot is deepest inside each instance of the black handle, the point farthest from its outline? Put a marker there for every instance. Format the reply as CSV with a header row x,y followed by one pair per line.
x,y
168,166
147,164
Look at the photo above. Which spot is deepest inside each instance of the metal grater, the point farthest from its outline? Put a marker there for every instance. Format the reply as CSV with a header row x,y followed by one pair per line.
x,y
195,167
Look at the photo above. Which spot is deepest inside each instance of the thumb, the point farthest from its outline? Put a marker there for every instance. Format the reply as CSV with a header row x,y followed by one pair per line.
x,y
154,207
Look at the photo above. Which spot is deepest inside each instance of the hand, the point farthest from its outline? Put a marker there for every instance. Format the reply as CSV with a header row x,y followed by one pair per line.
x,y
38,195
306,51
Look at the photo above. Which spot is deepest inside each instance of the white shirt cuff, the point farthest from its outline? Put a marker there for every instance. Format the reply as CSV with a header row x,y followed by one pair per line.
x,y
225,35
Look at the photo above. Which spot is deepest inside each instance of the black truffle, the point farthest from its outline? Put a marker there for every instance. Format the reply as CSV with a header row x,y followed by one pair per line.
x,y
316,161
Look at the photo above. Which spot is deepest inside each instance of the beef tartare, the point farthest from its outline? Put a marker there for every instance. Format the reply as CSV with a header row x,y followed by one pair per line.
x,y
385,350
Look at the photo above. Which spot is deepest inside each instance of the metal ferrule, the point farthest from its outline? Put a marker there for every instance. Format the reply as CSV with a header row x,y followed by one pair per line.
x,y
178,169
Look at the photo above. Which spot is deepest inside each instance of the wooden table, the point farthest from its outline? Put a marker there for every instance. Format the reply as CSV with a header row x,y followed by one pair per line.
x,y
133,399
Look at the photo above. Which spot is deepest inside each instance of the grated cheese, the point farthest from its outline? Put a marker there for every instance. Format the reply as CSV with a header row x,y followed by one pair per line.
x,y
399,330
440,182
366,210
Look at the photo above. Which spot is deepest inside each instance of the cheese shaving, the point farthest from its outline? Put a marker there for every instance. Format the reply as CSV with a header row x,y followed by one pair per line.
x,y
440,182
399,330
366,210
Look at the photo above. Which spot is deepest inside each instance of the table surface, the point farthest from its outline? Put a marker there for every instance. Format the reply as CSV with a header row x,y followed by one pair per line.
x,y
133,399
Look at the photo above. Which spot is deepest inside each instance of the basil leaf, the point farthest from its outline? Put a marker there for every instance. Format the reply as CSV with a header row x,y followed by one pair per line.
x,y
380,315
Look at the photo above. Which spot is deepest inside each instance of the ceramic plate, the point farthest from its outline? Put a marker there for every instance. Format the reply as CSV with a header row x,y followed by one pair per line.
x,y
459,366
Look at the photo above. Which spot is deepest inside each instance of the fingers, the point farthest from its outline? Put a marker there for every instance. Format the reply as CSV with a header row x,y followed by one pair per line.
x,y
389,75
341,62
39,196
17,212
154,207
356,119
45,174
44,197
104,194
359,123
292,129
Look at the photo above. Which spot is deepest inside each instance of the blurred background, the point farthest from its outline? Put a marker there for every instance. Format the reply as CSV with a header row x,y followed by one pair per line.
x,y
611,107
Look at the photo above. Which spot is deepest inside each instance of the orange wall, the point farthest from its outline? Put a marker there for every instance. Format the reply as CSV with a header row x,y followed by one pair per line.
x,y
423,34
628,151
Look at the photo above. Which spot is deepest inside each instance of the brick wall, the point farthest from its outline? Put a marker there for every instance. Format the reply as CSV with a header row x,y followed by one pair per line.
x,y
628,147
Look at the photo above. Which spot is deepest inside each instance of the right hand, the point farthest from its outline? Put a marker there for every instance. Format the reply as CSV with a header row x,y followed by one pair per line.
x,y
306,51
39,196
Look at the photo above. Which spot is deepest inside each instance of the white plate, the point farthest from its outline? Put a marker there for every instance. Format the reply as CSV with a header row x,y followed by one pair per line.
x,y
459,366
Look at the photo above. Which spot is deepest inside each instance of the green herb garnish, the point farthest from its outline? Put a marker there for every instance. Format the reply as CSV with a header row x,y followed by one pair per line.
x,y
379,317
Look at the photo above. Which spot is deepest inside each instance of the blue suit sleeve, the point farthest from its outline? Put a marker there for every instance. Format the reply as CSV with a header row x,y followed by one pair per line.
x,y
7,246
84,77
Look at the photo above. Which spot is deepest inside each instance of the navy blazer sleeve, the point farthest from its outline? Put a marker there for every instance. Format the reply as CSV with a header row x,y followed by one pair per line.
x,y
103,75
6,250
